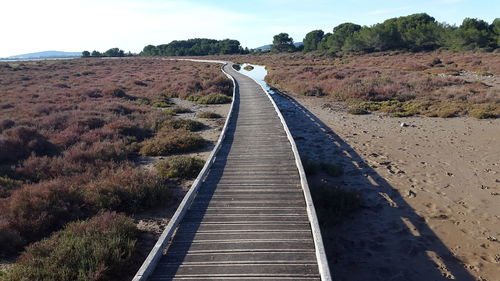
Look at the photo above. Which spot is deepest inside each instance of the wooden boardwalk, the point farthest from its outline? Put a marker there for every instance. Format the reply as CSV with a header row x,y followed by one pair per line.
x,y
249,219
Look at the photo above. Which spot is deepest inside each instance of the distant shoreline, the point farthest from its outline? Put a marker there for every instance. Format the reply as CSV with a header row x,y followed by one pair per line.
x,y
38,59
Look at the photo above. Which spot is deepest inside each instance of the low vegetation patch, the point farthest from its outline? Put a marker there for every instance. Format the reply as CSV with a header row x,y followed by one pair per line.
x,y
357,111
96,249
334,204
439,83
211,99
167,142
187,124
67,145
127,190
177,110
182,167
208,115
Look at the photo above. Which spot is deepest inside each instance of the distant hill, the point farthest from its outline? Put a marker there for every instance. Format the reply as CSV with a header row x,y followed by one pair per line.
x,y
47,54
268,47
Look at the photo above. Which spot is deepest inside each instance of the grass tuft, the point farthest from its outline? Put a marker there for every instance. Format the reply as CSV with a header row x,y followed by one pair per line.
x,y
209,115
214,99
182,167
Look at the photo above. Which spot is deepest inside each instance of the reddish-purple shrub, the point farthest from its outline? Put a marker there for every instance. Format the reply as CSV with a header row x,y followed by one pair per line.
x,y
6,124
96,152
126,190
97,249
10,240
38,209
19,142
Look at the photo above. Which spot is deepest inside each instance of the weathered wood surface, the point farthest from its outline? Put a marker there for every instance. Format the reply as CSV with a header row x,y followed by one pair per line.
x,y
249,219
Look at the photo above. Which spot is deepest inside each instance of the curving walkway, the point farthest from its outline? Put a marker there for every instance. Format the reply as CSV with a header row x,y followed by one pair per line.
x,y
249,219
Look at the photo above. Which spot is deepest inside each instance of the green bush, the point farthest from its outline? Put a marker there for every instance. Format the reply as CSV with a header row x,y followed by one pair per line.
x,y
333,204
93,250
214,99
183,167
169,142
187,124
161,104
209,115
357,111
176,110
194,98
484,112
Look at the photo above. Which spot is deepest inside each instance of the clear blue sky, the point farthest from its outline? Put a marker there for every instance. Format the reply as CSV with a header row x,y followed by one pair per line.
x,y
76,25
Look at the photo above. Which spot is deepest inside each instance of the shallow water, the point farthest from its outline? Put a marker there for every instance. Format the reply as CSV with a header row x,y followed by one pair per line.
x,y
258,73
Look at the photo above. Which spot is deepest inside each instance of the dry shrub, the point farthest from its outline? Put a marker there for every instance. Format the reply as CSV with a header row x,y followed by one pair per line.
x,y
36,210
127,128
182,167
7,185
214,99
126,190
10,240
18,143
96,249
97,152
186,124
172,141
6,124
209,115
117,92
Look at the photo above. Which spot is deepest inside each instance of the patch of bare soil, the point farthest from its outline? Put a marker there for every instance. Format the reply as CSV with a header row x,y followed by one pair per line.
x,y
430,190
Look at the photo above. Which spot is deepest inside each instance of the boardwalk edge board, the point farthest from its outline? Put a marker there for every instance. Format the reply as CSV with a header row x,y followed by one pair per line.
x,y
324,269
154,256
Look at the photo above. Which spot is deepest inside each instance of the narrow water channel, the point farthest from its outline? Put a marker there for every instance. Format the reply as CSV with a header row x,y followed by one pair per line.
x,y
258,73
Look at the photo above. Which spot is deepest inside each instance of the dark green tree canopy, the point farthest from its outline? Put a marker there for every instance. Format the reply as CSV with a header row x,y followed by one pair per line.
x,y
417,32
312,40
282,43
85,54
195,47
114,52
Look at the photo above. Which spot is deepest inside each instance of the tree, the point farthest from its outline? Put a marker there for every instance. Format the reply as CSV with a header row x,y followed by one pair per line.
x,y
474,33
96,54
194,47
495,27
312,40
340,35
85,54
114,52
282,43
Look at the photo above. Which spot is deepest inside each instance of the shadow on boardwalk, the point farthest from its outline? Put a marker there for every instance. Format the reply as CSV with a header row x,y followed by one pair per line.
x,y
386,240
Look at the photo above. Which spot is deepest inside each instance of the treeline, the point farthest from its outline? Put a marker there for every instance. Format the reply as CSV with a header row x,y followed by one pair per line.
x,y
417,32
113,52
195,47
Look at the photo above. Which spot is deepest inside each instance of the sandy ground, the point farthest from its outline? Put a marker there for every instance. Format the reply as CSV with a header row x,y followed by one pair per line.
x,y
153,222
431,192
